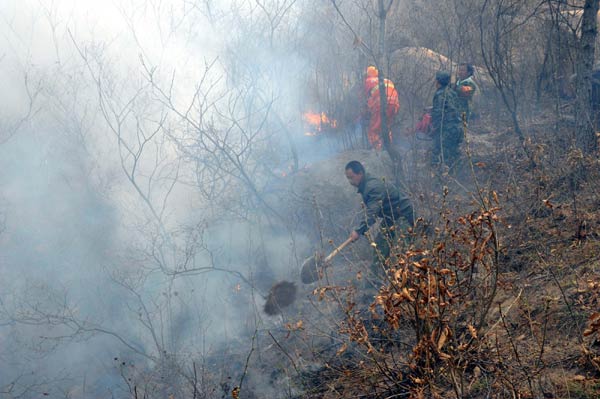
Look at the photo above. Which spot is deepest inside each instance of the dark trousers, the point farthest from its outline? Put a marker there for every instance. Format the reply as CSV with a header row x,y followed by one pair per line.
x,y
448,145
384,241
388,236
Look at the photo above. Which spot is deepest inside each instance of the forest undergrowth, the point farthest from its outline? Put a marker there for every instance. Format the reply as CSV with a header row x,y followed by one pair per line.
x,y
497,298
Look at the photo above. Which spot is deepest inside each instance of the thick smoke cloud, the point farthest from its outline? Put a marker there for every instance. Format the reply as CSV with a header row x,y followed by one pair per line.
x,y
93,288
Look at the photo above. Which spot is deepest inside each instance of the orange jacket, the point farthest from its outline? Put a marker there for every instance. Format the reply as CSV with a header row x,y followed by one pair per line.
x,y
393,103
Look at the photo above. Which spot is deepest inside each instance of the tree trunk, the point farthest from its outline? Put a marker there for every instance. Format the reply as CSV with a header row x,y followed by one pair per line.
x,y
585,135
385,128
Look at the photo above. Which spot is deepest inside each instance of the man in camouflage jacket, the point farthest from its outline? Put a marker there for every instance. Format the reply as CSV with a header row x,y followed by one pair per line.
x,y
382,200
445,119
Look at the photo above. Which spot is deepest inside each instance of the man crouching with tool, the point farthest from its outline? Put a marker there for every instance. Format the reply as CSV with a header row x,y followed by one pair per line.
x,y
382,200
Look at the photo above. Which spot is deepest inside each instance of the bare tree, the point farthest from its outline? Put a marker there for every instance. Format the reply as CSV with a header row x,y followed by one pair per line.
x,y
377,56
499,23
586,139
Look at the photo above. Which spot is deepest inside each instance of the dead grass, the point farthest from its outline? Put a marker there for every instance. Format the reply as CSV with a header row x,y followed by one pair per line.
x,y
532,342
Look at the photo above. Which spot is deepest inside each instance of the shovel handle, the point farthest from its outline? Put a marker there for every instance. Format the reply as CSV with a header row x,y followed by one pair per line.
x,y
337,250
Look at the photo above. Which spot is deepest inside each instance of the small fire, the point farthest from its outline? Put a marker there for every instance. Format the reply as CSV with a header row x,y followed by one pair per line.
x,y
318,122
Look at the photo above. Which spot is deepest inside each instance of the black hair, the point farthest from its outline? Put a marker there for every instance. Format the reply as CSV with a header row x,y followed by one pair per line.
x,y
443,78
356,167
470,69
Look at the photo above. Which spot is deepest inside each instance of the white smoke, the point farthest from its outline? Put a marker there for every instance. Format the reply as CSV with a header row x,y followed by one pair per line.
x,y
80,243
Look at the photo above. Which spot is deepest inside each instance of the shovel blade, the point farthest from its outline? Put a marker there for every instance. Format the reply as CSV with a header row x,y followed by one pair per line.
x,y
311,269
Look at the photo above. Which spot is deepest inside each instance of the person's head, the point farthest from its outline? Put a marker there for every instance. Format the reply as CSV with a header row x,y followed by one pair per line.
x,y
372,72
465,70
442,78
355,172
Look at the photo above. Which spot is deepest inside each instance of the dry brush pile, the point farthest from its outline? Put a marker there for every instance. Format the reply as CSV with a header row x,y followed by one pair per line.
x,y
500,299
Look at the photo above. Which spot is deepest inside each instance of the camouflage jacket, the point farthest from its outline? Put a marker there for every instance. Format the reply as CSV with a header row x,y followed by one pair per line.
x,y
384,200
445,113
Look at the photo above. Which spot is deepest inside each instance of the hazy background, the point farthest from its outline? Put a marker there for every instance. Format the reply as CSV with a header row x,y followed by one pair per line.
x,y
109,197
147,149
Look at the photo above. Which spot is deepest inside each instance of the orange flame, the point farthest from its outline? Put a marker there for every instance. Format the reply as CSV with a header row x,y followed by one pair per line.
x,y
318,122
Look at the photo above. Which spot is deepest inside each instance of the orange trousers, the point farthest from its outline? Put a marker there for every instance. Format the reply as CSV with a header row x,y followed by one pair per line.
x,y
374,133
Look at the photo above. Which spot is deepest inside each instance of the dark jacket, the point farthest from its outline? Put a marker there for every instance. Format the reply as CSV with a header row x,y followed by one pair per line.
x,y
445,113
384,200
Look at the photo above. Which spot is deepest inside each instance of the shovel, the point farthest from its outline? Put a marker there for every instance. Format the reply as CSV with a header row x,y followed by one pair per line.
x,y
312,267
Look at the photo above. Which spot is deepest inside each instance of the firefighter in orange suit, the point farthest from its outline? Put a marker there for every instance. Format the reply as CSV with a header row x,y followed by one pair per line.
x,y
374,106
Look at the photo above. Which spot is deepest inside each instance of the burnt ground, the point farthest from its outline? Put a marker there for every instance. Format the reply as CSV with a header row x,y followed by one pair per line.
x,y
538,335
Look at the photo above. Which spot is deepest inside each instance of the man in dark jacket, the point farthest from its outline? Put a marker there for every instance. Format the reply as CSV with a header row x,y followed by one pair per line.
x,y
382,200
445,119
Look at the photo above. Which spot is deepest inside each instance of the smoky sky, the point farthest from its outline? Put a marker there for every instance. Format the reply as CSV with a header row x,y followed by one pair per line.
x,y
79,244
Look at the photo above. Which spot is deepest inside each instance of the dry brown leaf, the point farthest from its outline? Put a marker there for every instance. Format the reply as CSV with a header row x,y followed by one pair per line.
x,y
548,203
495,195
433,335
442,340
342,349
407,294
473,331
398,274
